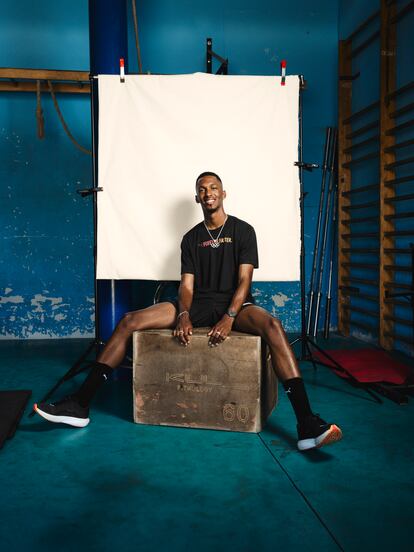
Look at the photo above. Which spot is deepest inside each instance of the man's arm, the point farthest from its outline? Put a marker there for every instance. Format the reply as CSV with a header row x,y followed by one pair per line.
x,y
221,330
184,327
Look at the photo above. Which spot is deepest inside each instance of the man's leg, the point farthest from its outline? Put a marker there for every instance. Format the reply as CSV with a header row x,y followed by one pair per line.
x,y
313,431
156,317
74,410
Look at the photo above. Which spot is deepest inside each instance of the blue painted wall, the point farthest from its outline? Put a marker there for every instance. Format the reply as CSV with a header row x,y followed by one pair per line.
x,y
46,260
46,281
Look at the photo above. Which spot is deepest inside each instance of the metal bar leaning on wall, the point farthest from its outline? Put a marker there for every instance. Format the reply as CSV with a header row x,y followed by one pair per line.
x,y
331,264
327,147
332,160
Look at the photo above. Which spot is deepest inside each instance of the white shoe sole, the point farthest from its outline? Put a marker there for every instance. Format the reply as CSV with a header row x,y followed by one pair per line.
x,y
68,420
331,435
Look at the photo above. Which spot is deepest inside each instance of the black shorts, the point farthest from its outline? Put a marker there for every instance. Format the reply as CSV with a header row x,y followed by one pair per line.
x,y
207,312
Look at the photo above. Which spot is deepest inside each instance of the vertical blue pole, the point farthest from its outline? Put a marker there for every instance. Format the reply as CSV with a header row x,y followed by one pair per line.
x,y
108,42
108,39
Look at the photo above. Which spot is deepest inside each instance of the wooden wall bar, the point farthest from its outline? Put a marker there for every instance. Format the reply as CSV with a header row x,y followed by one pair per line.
x,y
387,158
360,308
344,179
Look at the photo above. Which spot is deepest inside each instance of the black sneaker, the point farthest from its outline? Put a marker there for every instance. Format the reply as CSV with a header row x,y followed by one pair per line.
x,y
67,411
315,433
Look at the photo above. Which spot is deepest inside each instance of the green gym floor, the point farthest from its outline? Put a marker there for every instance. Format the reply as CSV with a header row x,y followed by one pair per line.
x,y
120,486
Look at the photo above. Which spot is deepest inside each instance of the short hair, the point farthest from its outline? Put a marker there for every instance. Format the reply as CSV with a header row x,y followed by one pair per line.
x,y
208,173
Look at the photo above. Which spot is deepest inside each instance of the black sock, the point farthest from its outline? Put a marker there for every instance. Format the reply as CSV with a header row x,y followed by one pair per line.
x,y
295,390
98,374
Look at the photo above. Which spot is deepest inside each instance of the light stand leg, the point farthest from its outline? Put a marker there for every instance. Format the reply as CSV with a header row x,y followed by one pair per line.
x,y
96,344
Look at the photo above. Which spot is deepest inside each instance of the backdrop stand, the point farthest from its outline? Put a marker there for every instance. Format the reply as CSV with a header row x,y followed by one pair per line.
x,y
95,345
306,343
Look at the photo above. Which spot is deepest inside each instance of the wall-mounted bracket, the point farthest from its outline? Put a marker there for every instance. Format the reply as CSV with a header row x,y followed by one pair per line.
x,y
210,55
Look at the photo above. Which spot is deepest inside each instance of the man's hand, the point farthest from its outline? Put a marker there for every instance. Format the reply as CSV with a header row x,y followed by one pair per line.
x,y
183,329
220,331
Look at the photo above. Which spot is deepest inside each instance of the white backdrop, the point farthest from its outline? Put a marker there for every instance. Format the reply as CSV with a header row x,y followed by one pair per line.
x,y
157,133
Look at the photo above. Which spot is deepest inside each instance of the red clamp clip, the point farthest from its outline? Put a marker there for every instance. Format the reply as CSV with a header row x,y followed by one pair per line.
x,y
283,68
122,70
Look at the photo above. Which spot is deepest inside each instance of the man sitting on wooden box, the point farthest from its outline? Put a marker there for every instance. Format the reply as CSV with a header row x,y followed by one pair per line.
x,y
218,257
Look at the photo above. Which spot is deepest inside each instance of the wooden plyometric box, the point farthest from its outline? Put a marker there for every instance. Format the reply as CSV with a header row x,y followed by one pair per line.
x,y
230,387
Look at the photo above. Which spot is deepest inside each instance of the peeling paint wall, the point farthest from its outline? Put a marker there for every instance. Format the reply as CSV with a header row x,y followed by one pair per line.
x,y
281,299
46,263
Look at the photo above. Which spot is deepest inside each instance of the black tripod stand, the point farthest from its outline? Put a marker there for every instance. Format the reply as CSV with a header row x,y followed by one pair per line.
x,y
305,341
94,347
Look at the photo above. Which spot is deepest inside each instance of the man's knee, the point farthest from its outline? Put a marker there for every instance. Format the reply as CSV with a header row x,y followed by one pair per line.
x,y
131,322
273,328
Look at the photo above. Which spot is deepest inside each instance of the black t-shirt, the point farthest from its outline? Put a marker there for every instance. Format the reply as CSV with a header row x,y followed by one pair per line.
x,y
216,269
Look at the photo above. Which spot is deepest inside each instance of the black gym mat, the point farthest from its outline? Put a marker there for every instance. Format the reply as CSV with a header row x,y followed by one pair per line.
x,y
12,405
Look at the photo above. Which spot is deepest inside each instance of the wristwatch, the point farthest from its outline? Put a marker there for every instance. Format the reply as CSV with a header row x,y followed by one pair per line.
x,y
231,313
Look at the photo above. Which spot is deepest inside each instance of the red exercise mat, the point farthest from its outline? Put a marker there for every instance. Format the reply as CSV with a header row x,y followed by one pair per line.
x,y
368,365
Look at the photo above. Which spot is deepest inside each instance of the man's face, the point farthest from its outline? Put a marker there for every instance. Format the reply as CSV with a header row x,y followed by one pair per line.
x,y
210,194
